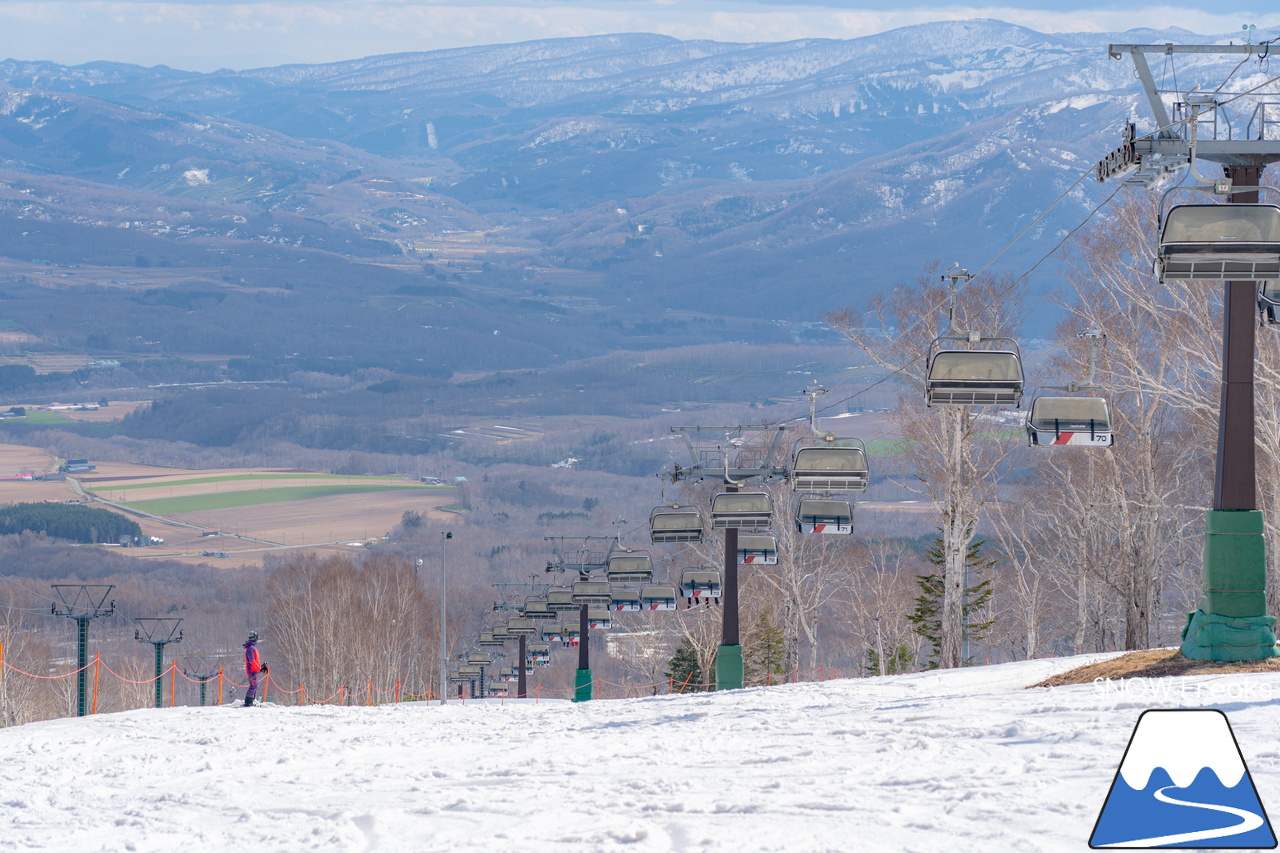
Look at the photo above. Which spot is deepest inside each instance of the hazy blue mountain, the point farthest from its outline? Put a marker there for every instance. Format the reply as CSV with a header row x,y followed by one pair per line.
x,y
800,175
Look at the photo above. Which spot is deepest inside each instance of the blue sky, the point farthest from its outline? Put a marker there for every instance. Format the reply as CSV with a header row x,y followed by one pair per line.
x,y
203,35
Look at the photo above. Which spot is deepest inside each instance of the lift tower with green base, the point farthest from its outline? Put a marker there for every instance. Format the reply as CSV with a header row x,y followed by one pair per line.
x,y
585,562
751,463
1230,623
158,631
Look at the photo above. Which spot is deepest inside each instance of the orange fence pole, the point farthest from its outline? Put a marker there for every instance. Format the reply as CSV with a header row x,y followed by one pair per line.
x,y
369,699
266,683
219,684
302,693
97,661
340,696
397,691
173,682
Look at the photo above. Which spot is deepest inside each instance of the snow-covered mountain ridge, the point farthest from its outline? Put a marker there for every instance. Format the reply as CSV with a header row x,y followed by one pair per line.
x,y
938,140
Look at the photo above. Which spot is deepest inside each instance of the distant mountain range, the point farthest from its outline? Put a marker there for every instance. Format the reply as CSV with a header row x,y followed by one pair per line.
x,y
768,180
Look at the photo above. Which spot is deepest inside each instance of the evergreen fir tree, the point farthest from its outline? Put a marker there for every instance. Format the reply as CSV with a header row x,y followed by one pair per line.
x,y
683,669
762,659
900,660
927,618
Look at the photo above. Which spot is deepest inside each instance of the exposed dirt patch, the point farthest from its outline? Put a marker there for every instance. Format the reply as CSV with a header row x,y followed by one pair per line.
x,y
16,459
113,412
1154,663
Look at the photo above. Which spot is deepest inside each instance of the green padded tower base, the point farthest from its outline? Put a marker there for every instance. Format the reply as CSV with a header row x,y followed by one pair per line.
x,y
1209,636
1231,622
729,671
583,685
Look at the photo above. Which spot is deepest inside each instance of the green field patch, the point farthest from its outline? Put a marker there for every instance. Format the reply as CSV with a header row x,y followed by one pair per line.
x,y
254,497
32,417
231,478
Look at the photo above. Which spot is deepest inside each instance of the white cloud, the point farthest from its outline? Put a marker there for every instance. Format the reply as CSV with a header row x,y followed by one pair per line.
x,y
208,35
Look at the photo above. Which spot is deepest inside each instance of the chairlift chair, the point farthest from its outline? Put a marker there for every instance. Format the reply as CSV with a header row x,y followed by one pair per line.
x,y
601,619
518,626
592,593
1219,242
570,635
487,640
741,510
828,468
480,658
698,585
1269,302
508,673
629,568
539,609
501,634
498,688
757,550
551,633
973,377
821,515
670,524
470,672
1056,421
539,653
561,600
658,598
625,600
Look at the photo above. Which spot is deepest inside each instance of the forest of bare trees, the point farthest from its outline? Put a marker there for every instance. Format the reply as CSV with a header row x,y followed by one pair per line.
x,y
1089,549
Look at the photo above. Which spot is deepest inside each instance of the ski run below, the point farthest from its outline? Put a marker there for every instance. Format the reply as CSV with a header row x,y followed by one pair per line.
x,y
961,760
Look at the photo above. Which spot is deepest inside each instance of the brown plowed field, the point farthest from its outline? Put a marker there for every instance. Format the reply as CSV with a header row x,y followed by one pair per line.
x,y
328,523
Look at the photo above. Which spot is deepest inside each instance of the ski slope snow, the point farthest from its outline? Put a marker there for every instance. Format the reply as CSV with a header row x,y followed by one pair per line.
x,y
965,760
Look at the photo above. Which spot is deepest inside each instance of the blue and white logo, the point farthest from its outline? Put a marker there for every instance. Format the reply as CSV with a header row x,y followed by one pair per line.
x,y
1183,783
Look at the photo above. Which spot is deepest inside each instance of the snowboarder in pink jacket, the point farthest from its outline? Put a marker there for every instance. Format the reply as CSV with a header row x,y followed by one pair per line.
x,y
253,667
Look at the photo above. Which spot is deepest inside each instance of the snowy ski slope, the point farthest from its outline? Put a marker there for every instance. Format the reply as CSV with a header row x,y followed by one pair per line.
x,y
957,761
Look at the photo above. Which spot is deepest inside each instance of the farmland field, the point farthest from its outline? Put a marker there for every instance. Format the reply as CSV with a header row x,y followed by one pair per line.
x,y
254,511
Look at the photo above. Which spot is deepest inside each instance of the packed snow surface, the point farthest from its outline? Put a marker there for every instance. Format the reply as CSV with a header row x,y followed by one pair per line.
x,y
963,760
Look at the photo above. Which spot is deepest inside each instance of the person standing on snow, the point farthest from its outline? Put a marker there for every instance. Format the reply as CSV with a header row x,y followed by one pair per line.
x,y
253,667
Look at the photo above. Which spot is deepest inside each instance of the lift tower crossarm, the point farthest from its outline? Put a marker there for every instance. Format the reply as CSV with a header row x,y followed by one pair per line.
x,y
699,471
1169,141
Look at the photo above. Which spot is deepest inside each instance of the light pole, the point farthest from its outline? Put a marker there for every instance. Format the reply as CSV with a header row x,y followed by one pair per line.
x,y
444,649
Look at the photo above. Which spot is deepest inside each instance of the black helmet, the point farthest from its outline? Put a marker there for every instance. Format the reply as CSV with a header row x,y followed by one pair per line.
x,y
253,636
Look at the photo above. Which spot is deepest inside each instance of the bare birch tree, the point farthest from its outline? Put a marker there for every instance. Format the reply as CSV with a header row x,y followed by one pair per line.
x,y
954,457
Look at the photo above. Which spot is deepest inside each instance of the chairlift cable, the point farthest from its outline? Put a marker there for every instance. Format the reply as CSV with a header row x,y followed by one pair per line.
x,y
1227,80
895,371
870,359
1014,283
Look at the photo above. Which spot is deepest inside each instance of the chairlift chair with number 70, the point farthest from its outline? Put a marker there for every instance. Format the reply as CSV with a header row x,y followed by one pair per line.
x,y
1058,420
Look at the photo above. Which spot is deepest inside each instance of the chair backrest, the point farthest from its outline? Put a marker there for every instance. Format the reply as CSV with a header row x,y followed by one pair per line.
x,y
995,366
813,508
1210,226
830,459
1070,413
741,502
